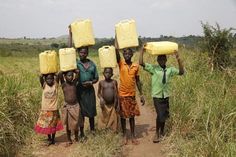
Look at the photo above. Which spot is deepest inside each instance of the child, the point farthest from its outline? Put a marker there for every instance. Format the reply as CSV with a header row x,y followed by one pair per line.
x,y
49,118
129,77
161,76
71,109
108,95
85,90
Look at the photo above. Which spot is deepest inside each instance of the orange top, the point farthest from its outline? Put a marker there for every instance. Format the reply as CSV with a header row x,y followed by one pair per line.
x,y
127,78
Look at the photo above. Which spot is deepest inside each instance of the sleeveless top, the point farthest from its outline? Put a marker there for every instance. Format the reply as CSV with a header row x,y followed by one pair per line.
x,y
50,97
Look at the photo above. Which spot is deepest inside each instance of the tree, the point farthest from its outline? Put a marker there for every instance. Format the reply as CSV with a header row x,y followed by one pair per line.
x,y
54,45
218,43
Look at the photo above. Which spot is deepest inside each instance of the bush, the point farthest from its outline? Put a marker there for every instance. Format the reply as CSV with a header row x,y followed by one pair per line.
x,y
218,43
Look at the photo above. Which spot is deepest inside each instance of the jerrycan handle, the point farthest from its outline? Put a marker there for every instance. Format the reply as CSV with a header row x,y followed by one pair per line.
x,y
124,21
106,47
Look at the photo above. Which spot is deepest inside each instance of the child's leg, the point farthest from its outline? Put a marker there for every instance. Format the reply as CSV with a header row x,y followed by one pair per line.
x,y
53,138
132,128
68,132
76,135
82,129
123,126
162,126
158,126
91,122
49,137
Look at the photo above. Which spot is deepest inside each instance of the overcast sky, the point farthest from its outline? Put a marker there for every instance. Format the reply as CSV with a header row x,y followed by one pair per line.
x,y
50,18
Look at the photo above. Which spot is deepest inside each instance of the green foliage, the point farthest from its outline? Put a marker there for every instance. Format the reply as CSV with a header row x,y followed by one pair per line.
x,y
54,45
218,43
19,101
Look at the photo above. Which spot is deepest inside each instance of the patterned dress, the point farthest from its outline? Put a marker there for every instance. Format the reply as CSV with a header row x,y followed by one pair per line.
x,y
49,118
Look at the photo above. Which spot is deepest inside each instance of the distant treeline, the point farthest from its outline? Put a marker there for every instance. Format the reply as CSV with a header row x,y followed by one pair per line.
x,y
28,46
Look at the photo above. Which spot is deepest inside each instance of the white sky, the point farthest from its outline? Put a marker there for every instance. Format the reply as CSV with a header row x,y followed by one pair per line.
x,y
50,18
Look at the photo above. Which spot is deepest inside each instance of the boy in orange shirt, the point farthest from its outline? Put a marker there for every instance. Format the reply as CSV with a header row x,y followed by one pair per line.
x,y
129,77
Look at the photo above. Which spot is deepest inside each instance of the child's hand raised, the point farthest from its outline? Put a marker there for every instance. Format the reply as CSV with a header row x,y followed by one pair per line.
x,y
176,53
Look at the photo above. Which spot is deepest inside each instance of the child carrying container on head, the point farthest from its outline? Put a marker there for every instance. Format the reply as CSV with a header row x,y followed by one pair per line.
x,y
161,76
108,95
71,109
129,77
49,119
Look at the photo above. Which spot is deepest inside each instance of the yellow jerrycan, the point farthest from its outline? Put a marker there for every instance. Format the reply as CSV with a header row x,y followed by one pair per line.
x,y
67,58
126,34
82,33
48,62
161,47
107,56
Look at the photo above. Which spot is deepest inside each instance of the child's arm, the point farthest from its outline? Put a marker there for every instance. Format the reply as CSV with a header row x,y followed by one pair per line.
x,y
116,101
60,76
141,57
139,85
70,37
99,90
41,79
181,67
117,51
76,71
102,102
56,78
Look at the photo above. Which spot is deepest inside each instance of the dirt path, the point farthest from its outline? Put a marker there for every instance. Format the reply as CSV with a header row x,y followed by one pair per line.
x,y
145,129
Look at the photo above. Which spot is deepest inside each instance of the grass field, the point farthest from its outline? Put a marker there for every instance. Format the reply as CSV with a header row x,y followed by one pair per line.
x,y
203,110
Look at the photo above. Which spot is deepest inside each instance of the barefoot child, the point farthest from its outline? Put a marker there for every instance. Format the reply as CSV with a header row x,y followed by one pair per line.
x,y
129,77
49,119
108,95
71,109
85,90
161,76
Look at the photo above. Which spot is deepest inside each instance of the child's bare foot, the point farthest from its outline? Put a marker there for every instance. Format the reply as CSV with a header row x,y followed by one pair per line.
x,y
156,138
83,138
134,141
51,142
68,144
76,139
125,141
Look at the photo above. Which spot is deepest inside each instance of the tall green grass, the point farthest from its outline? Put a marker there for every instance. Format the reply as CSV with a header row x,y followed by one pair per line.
x,y
19,99
203,108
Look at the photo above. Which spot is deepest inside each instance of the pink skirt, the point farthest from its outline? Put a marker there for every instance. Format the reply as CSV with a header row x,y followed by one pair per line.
x,y
49,122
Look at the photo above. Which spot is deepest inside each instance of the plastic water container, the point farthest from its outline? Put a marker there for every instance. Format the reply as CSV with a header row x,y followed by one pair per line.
x,y
67,58
107,56
161,47
82,33
48,62
126,34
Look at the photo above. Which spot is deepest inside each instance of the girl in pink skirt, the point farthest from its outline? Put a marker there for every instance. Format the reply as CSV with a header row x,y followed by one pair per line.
x,y
49,119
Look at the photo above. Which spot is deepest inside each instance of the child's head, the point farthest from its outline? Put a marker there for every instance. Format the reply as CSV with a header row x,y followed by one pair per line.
x,y
108,73
162,59
69,76
49,79
83,52
127,54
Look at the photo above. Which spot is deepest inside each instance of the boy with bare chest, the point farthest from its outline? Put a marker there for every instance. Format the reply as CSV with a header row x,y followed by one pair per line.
x,y
71,109
108,95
